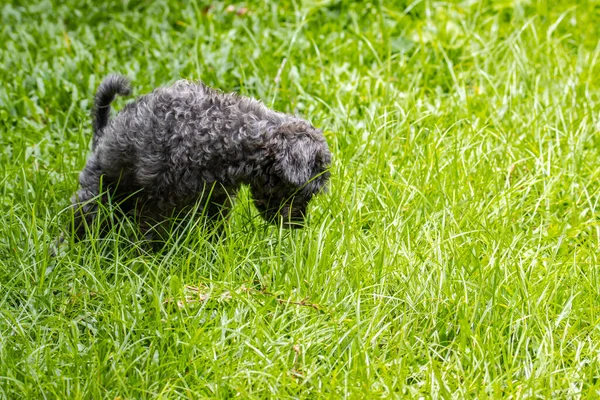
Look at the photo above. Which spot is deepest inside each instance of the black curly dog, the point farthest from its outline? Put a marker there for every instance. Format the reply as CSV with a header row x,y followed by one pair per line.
x,y
188,145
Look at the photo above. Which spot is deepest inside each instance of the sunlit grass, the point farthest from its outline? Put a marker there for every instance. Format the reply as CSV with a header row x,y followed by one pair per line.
x,y
455,254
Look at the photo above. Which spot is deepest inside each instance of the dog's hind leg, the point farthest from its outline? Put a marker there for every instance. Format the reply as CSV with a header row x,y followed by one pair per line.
x,y
85,200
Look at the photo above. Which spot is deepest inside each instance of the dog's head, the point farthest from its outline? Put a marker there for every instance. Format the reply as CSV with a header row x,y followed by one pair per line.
x,y
298,171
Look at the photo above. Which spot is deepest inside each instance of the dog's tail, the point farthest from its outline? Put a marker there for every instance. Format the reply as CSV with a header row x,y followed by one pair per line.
x,y
107,91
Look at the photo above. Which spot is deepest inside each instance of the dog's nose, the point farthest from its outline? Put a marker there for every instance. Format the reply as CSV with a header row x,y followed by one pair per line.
x,y
292,218
293,224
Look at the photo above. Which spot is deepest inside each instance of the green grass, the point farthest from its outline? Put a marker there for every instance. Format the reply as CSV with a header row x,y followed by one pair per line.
x,y
455,256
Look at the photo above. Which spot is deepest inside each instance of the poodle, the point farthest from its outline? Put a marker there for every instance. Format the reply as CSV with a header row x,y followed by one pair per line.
x,y
190,145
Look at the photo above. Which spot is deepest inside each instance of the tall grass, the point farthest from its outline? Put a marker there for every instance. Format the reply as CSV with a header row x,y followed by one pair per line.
x,y
455,255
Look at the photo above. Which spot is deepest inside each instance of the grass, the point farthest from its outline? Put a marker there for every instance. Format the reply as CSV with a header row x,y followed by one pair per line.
x,y
455,256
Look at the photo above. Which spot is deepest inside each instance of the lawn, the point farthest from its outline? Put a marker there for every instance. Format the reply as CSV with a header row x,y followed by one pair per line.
x,y
455,255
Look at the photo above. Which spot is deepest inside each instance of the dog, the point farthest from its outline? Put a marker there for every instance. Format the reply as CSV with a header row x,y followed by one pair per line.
x,y
189,145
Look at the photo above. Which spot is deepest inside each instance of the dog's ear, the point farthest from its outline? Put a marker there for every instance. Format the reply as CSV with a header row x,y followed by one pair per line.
x,y
297,159
302,153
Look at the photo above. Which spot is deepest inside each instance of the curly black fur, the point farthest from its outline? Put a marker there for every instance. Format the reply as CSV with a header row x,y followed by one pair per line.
x,y
107,91
169,149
